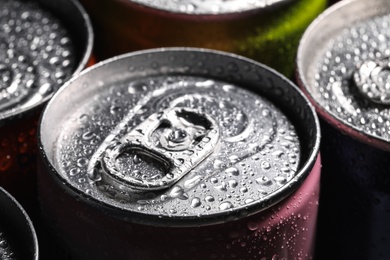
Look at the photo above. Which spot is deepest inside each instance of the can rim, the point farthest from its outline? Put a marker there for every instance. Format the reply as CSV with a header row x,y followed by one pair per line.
x,y
30,226
220,217
300,75
86,54
206,16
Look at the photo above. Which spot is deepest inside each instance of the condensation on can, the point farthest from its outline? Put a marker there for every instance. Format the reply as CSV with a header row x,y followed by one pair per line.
x,y
41,46
18,239
343,67
180,153
264,30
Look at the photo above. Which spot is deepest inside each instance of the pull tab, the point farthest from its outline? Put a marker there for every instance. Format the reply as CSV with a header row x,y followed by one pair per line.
x,y
163,148
372,80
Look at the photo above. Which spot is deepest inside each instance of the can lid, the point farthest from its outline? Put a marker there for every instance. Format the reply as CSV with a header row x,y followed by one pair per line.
x,y
180,136
211,7
37,54
18,239
343,65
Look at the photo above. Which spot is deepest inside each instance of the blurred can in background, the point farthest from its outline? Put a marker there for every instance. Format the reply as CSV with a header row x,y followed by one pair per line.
x,y
265,30
180,153
41,46
18,239
344,68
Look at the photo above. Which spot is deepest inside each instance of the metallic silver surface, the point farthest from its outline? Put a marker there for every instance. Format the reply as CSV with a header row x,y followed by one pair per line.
x,y
36,55
40,48
338,73
213,7
372,79
177,139
257,158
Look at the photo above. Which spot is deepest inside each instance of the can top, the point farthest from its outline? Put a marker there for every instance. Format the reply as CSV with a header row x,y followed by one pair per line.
x,y
38,52
18,238
343,64
180,136
213,7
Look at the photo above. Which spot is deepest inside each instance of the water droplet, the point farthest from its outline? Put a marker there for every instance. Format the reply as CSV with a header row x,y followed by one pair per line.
x,y
281,180
3,244
209,198
265,165
83,119
137,87
82,162
192,182
252,226
178,192
233,183
195,202
249,200
137,159
179,161
232,171
244,189
226,205
214,180
222,187
264,181
74,171
278,154
218,164
234,159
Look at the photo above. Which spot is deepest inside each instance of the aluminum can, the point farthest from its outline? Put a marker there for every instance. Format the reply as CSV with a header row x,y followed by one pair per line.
x,y
265,30
180,153
41,46
343,66
18,239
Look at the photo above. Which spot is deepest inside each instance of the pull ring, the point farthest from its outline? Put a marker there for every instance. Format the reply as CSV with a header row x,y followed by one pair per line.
x,y
372,81
174,141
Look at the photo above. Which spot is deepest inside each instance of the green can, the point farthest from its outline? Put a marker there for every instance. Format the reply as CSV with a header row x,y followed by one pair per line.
x,y
267,31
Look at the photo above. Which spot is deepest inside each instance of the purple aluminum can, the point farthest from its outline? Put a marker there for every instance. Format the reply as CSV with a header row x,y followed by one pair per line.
x,y
18,239
180,154
343,67
41,46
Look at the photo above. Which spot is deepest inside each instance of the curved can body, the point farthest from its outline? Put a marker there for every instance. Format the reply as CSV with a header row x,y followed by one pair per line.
x,y
267,31
17,233
40,48
343,62
180,153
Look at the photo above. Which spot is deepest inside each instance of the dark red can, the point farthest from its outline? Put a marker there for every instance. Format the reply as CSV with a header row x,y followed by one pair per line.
x,y
42,44
343,67
180,153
